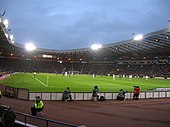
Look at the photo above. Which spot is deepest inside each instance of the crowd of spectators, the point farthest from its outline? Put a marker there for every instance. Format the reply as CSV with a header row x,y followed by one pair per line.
x,y
145,70
22,65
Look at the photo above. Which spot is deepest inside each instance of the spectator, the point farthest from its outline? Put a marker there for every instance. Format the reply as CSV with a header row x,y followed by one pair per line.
x,y
121,95
2,112
38,106
67,94
9,118
136,92
95,92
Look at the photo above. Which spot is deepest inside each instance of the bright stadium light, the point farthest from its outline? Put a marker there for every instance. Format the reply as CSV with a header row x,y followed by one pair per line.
x,y
138,37
30,47
11,37
96,46
6,35
5,23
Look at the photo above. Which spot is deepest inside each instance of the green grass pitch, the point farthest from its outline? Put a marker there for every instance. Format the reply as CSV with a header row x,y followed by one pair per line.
x,y
44,82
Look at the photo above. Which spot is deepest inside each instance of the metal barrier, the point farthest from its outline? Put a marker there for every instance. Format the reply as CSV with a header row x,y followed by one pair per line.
x,y
88,95
41,122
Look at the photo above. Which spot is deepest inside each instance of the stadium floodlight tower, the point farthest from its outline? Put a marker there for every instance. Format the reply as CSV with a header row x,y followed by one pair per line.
x,y
138,37
30,47
96,46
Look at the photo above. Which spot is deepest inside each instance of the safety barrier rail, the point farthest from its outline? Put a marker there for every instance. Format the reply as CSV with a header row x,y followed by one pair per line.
x,y
30,121
107,95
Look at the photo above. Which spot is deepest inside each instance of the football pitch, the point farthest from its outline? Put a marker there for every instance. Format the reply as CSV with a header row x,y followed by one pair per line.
x,y
44,82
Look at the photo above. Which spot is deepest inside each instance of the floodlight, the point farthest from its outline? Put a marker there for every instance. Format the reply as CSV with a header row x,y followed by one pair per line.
x,y
5,23
11,37
138,37
47,56
44,56
96,46
30,47
6,35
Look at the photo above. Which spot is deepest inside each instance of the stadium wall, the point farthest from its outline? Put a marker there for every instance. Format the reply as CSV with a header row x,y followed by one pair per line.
x,y
2,87
88,96
20,93
24,94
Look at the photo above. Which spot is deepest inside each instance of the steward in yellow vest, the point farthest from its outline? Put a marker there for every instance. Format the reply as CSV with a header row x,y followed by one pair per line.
x,y
38,106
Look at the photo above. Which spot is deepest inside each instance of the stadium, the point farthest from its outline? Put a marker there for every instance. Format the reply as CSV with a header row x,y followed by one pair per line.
x,y
47,73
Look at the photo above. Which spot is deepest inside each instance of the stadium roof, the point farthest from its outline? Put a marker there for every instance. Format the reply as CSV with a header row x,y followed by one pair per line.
x,y
155,42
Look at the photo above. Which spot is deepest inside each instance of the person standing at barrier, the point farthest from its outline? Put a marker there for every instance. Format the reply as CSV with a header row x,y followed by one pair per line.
x,y
121,95
67,94
136,92
95,92
38,106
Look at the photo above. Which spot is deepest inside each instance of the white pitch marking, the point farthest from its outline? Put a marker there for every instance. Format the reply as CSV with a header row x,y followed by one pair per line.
x,y
39,81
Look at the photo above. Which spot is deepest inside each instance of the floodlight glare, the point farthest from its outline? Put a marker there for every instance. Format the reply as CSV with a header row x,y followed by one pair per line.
x,y
11,37
6,35
96,46
138,37
30,47
5,23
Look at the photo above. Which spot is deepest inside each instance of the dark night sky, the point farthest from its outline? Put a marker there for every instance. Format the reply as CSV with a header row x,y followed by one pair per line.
x,y
70,24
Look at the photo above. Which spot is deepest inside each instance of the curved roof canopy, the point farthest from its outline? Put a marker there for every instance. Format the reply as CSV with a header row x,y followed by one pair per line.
x,y
155,42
